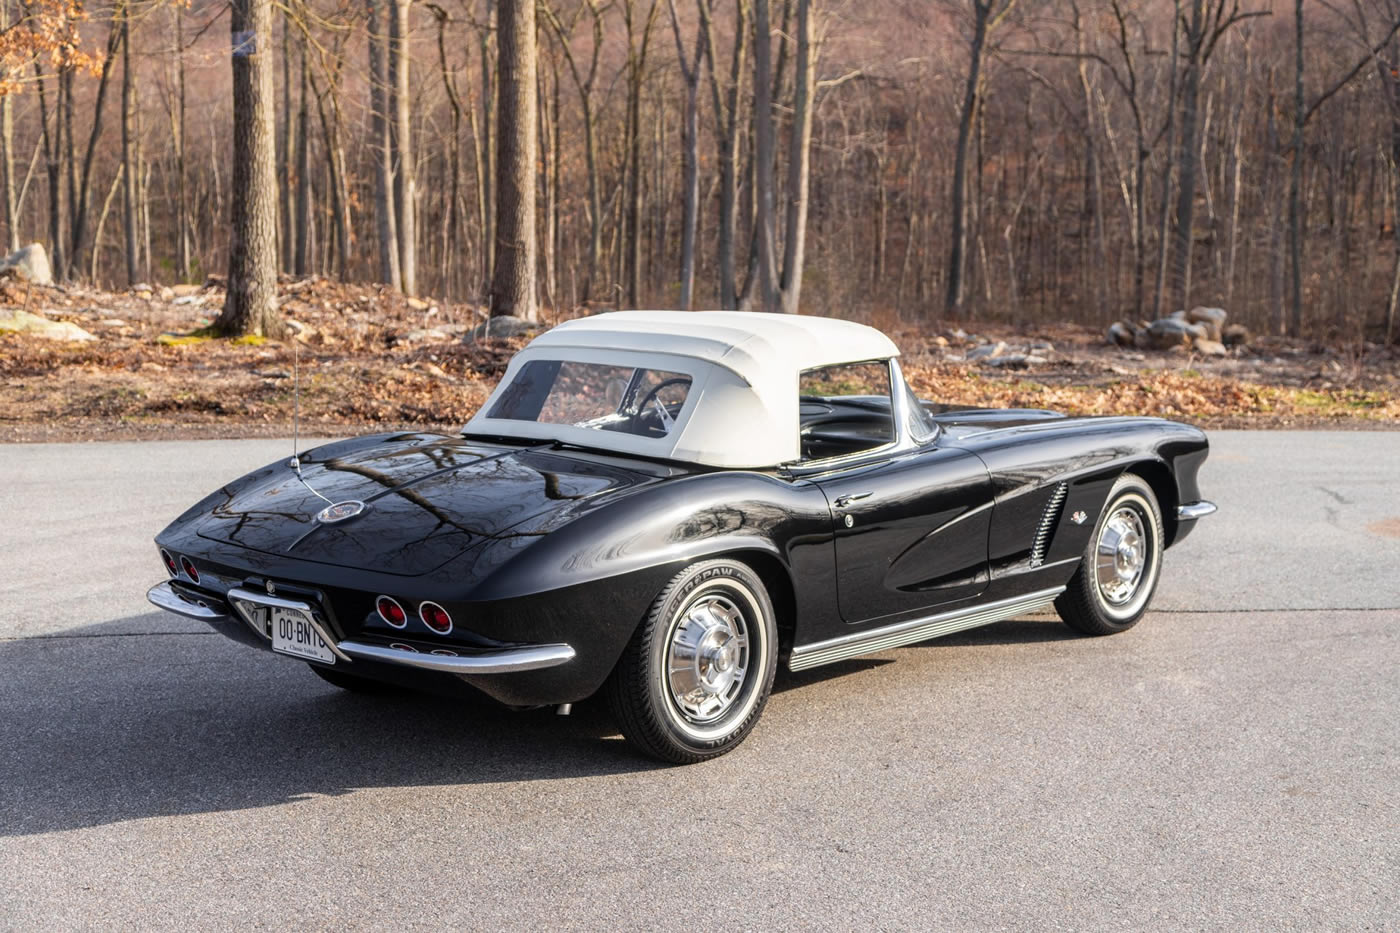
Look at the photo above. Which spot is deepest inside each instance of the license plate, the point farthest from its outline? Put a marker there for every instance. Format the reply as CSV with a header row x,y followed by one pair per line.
x,y
292,633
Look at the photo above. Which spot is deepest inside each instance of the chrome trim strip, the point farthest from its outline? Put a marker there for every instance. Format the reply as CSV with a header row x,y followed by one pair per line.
x,y
1194,510
507,661
237,596
170,599
916,630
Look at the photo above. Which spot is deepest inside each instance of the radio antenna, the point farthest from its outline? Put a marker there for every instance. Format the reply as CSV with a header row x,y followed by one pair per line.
x,y
295,463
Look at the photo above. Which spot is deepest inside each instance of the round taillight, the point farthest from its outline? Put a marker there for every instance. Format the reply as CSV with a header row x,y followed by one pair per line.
x,y
170,564
187,566
435,617
390,611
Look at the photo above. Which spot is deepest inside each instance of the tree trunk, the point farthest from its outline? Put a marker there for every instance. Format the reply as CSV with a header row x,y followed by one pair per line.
x,y
1168,163
513,282
286,235
454,213
726,107
382,144
1295,184
251,304
1187,160
764,233
53,157
129,170
335,166
690,72
302,227
7,152
957,239
79,203
182,205
486,161
407,194
795,236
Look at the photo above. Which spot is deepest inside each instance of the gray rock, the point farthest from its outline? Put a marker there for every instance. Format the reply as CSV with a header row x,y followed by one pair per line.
x,y
1122,333
29,264
1212,319
421,333
1170,332
987,351
1207,347
506,326
1234,335
25,323
1015,361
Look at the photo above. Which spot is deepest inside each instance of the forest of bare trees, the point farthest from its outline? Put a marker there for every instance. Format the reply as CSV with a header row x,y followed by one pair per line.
x,y
940,160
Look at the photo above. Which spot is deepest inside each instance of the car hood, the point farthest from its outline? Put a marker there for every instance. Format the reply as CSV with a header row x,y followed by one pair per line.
x,y
425,503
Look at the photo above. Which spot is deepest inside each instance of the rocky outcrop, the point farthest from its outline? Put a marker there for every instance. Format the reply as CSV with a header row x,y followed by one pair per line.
x,y
29,264
25,323
1201,330
1212,319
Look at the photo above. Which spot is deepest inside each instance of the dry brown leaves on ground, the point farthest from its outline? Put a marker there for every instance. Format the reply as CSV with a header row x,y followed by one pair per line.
x,y
369,359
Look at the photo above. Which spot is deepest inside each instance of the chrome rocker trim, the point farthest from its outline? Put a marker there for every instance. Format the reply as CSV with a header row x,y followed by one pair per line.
x,y
916,630
1194,510
506,661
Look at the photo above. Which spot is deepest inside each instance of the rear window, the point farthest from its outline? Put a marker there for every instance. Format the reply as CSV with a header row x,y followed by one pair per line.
x,y
602,396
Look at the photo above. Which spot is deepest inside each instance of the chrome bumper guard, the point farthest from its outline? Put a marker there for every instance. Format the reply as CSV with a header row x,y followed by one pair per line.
x,y
504,661
1194,510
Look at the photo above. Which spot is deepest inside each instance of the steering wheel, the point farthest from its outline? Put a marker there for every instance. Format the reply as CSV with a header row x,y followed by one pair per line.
x,y
656,390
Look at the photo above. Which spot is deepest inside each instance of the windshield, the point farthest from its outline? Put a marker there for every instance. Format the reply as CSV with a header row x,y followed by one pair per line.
x,y
601,396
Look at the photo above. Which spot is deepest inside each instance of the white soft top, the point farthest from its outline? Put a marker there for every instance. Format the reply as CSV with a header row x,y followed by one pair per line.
x,y
742,408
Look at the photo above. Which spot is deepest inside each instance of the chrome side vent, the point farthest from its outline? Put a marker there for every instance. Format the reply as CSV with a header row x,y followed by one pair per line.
x,y
1047,524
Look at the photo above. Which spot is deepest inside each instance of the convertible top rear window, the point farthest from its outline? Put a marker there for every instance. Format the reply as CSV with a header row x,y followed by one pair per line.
x,y
605,397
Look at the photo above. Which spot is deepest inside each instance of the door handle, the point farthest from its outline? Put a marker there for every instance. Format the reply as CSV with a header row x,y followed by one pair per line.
x,y
843,501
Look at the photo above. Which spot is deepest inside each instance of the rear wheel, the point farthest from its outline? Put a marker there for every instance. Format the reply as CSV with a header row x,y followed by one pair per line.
x,y
352,682
1118,573
694,679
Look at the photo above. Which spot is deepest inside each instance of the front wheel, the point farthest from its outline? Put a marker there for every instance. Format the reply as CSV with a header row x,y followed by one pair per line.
x,y
1118,573
694,679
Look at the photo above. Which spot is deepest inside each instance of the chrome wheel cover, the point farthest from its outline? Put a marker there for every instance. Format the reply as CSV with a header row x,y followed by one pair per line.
x,y
707,659
1122,555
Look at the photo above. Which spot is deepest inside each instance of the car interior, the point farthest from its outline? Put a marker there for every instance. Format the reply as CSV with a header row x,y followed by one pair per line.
x,y
845,410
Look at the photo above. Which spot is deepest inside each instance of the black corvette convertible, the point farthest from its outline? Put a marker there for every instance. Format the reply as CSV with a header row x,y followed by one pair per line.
x,y
663,507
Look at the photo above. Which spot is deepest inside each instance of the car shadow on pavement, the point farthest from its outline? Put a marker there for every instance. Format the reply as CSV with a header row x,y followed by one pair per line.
x,y
100,726
132,719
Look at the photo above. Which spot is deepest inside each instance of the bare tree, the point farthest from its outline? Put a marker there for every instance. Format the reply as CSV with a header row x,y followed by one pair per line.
x,y
764,229
725,100
406,172
987,15
251,304
690,71
1201,30
382,143
513,284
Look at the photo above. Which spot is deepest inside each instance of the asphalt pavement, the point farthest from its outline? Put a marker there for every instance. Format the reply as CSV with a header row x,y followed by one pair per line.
x,y
1233,762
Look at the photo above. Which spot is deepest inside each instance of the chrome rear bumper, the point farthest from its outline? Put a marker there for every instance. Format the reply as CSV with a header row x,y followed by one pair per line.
x,y
214,611
1194,510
